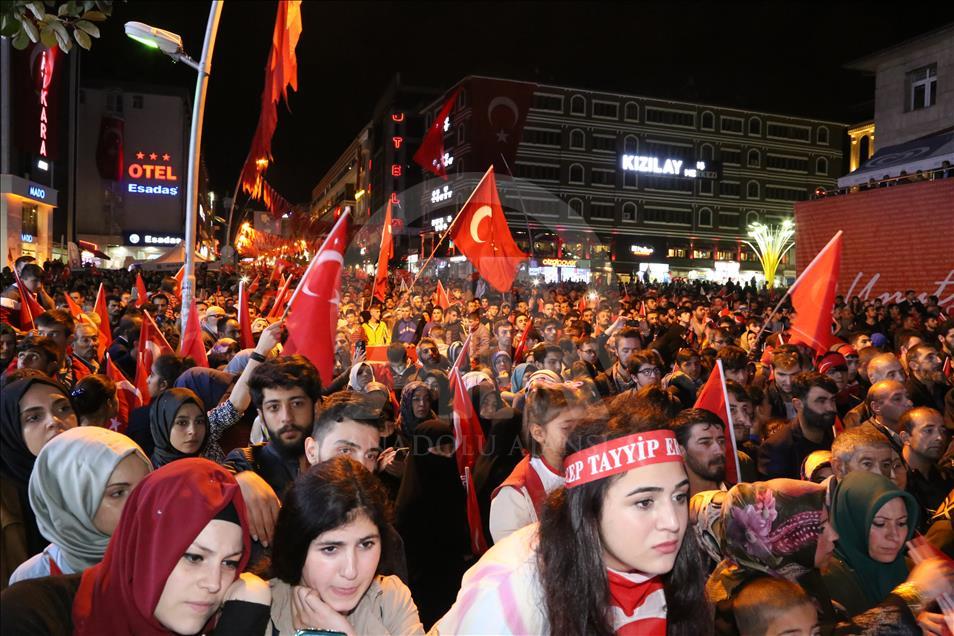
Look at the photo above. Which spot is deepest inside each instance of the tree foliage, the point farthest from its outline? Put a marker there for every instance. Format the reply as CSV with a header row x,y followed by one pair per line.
x,y
51,23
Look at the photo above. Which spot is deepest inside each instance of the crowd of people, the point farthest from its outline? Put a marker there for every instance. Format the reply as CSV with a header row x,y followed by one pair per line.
x,y
252,496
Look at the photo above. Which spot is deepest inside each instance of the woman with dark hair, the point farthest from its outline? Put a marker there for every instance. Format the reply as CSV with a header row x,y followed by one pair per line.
x,y
436,380
94,398
33,411
179,426
610,555
417,405
328,545
173,566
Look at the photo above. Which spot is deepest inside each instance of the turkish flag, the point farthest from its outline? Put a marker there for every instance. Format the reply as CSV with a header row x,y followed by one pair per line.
x,y
141,294
313,309
191,343
127,396
502,107
100,307
481,233
714,397
522,345
109,149
75,310
430,155
387,251
813,297
442,300
478,542
179,276
468,434
254,286
152,344
281,299
245,323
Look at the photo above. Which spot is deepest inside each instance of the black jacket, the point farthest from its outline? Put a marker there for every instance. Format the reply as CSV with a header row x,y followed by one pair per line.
x,y
922,396
123,356
277,471
782,454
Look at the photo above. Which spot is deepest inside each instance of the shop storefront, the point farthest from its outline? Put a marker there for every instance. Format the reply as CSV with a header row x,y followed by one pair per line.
x,y
26,218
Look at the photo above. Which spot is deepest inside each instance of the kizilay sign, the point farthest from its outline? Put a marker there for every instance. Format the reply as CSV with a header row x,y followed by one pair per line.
x,y
663,166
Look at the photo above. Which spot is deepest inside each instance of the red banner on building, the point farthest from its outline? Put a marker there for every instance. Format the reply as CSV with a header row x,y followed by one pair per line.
x,y
499,110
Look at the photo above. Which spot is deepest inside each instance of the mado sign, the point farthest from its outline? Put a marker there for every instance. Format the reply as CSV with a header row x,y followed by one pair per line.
x,y
655,165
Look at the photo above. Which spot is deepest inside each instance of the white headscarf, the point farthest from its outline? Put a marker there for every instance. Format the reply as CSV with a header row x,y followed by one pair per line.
x,y
67,486
353,376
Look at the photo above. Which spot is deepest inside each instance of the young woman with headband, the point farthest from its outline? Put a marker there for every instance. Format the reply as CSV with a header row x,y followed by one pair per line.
x,y
614,537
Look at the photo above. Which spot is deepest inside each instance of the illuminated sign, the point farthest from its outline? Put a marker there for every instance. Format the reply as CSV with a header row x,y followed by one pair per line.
x,y
148,239
145,167
558,262
642,250
26,238
46,77
441,223
438,194
37,192
655,165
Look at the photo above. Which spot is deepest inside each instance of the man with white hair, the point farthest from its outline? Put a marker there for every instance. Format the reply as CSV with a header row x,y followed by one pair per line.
x,y
884,366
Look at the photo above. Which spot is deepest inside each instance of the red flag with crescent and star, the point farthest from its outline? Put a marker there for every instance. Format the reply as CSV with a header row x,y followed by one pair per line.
x,y
499,111
152,344
430,155
443,301
380,290
482,234
313,308
127,397
142,297
813,297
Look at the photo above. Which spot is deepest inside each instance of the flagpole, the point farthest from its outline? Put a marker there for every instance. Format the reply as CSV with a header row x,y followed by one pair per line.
x,y
347,212
444,235
798,280
523,206
728,414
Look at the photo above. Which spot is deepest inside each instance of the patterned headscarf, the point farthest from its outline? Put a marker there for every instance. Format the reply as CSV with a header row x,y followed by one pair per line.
x,y
769,527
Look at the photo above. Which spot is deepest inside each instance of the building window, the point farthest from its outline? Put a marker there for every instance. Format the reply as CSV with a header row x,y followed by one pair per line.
x,y
752,190
630,144
786,163
668,117
604,143
137,101
629,212
822,136
705,217
601,177
576,206
578,105
707,152
576,173
754,158
730,189
755,127
785,193
577,139
708,121
821,166
669,216
461,132
677,184
729,220
631,111
542,137
114,103
629,179
602,211
462,98
732,156
605,110
538,172
731,124
552,103
705,186
786,131
751,217
922,87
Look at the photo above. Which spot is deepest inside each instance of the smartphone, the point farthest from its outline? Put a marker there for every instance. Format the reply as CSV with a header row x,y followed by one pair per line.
x,y
360,346
318,632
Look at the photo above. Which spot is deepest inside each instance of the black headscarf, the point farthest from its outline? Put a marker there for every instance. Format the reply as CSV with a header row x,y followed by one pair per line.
x,y
409,421
211,385
162,414
16,460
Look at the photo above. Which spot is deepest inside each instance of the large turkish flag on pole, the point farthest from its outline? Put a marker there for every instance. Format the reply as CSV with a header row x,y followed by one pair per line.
x,y
813,297
384,256
245,323
482,234
714,397
312,314
430,155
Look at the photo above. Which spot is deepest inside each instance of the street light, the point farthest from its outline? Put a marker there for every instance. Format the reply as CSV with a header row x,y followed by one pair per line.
x,y
771,245
171,44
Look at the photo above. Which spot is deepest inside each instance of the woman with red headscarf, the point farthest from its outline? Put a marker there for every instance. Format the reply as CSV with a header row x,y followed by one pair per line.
x,y
172,567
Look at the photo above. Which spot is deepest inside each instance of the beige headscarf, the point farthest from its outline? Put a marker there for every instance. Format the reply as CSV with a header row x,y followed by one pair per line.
x,y
67,485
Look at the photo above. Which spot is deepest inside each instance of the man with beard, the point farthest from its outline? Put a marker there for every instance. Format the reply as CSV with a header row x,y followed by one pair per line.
x,y
813,397
887,401
701,435
925,440
618,378
429,355
785,366
284,391
926,384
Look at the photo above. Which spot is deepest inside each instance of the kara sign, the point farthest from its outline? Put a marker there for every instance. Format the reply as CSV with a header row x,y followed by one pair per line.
x,y
153,174
151,240
663,166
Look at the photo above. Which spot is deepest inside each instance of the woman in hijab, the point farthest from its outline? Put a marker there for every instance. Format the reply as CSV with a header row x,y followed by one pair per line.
x,y
361,375
34,410
172,567
417,405
211,385
874,519
80,483
431,516
226,400
436,380
501,364
179,424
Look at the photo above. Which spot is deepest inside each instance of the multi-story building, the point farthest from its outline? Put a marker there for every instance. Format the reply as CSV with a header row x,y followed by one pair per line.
x,y
629,183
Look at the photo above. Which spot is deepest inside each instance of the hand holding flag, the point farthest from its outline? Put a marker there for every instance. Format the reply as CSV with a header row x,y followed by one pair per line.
x,y
714,397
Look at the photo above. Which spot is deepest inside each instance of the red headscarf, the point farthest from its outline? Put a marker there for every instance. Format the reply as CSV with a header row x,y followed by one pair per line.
x,y
162,517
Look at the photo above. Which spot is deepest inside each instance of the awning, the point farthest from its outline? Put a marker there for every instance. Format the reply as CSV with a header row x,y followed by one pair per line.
x,y
926,153
94,249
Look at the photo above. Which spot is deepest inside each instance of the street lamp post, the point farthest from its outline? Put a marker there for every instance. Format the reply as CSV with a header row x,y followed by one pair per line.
x,y
171,45
771,245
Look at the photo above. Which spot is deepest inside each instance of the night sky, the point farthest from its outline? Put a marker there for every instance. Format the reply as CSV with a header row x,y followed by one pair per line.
x,y
764,56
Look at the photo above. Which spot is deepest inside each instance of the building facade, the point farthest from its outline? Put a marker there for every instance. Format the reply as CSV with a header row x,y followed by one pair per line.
x,y
655,187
